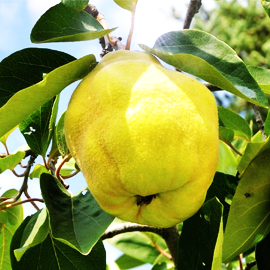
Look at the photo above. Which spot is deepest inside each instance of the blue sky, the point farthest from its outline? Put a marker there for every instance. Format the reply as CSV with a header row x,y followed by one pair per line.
x,y
17,17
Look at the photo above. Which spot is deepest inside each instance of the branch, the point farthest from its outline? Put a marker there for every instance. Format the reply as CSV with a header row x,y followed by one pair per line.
x,y
193,8
259,119
131,26
170,235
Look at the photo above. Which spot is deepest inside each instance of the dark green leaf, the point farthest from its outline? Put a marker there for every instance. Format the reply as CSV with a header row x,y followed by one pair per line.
x,y
226,134
235,122
76,220
201,237
223,187
75,4
35,232
61,23
249,216
126,4
128,262
262,76
54,255
26,67
36,128
10,220
262,254
30,99
201,54
11,161
136,245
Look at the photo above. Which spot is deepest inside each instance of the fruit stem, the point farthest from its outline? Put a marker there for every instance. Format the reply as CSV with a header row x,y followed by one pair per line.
x,y
131,26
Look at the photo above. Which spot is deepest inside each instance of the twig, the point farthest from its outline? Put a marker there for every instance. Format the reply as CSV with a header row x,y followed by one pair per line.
x,y
250,265
20,202
170,235
131,25
29,198
193,8
163,252
57,172
232,147
259,119
240,257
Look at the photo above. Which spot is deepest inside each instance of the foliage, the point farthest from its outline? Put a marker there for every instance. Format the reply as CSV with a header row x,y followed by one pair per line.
x,y
68,233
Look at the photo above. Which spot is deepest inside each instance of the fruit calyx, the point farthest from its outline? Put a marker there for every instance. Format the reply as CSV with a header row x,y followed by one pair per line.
x,y
145,200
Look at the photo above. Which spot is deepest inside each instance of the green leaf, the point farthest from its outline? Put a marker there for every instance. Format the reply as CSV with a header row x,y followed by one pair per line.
x,y
253,149
223,187
3,139
262,76
30,99
266,6
37,171
26,67
201,54
10,220
75,4
226,134
78,220
11,161
249,216
53,254
60,136
61,23
267,124
128,262
126,4
136,245
35,232
199,244
231,120
36,128
262,253
227,162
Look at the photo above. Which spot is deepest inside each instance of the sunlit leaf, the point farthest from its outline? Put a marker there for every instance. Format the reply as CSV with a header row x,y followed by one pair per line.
x,y
53,254
227,162
201,54
137,245
10,219
60,137
3,139
26,101
35,232
75,4
253,149
61,23
11,161
262,76
37,171
27,67
249,217
126,4
78,220
201,237
231,120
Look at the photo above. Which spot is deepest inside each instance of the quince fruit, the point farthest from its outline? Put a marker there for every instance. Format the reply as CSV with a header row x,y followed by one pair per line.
x,y
145,138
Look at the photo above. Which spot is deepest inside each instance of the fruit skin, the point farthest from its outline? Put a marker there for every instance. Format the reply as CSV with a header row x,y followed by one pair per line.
x,y
137,129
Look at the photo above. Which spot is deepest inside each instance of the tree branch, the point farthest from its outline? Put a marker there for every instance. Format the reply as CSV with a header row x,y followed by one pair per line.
x,y
193,8
259,119
170,235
